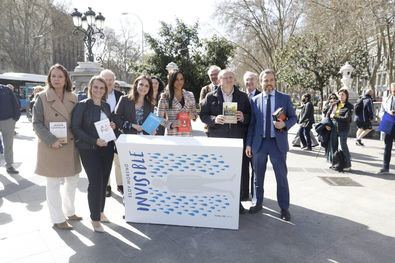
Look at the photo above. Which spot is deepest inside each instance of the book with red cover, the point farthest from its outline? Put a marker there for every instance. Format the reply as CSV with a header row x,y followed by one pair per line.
x,y
185,122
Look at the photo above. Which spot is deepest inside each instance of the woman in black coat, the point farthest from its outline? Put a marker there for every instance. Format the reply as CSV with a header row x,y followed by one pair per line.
x,y
133,109
96,154
340,115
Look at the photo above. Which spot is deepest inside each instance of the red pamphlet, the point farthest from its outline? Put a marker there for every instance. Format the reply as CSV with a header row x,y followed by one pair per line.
x,y
185,122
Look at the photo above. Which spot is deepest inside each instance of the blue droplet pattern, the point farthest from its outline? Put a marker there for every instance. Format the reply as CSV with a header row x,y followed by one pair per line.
x,y
195,205
160,165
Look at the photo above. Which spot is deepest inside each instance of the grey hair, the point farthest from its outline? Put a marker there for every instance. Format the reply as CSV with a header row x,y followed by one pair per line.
x,y
368,91
249,73
106,71
212,68
222,72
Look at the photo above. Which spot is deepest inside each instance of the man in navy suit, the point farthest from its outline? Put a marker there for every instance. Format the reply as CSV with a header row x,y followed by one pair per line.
x,y
251,83
270,138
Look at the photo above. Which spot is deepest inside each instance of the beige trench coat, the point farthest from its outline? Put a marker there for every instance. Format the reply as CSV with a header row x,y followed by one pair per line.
x,y
51,162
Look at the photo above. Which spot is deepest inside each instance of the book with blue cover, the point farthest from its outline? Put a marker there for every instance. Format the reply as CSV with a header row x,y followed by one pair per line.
x,y
151,123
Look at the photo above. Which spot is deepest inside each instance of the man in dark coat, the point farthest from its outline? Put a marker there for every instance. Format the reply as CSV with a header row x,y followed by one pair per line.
x,y
364,116
9,115
212,111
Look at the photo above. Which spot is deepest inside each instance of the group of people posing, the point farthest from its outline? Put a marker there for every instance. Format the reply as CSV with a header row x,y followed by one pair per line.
x,y
255,121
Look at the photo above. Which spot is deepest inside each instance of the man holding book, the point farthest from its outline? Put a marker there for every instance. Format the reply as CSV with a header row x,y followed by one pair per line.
x,y
226,111
268,137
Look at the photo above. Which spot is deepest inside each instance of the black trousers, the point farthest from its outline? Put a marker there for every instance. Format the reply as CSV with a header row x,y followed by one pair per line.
x,y
97,164
389,140
246,183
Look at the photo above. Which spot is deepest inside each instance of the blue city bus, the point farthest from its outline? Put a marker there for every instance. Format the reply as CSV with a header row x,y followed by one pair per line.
x,y
24,84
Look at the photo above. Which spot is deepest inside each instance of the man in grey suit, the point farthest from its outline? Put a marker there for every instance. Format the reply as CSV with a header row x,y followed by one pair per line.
x,y
212,73
270,138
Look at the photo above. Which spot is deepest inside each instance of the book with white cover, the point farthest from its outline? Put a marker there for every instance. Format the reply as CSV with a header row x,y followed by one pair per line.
x,y
104,130
59,129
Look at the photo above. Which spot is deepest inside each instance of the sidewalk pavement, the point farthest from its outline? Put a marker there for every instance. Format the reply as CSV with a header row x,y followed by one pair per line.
x,y
336,217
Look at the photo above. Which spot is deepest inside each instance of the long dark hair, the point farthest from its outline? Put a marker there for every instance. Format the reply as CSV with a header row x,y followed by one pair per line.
x,y
134,94
172,79
68,86
161,87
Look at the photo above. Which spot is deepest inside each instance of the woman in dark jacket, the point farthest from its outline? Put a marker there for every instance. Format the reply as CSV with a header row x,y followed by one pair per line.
x,y
158,87
341,117
96,154
326,130
306,120
133,109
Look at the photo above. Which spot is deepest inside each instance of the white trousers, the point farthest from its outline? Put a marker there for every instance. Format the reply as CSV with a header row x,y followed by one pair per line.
x,y
61,203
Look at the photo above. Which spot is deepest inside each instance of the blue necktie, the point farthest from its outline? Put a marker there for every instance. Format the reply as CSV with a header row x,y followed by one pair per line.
x,y
268,119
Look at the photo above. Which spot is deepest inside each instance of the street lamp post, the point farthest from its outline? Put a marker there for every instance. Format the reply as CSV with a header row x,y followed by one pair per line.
x,y
142,29
90,25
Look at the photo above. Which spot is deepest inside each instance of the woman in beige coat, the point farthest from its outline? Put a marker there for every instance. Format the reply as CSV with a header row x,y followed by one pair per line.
x,y
57,158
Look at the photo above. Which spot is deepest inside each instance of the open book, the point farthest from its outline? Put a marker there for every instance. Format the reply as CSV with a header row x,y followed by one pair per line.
x,y
104,130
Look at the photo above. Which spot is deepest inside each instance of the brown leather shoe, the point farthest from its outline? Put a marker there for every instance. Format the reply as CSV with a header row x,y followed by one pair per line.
x,y
97,227
63,226
75,218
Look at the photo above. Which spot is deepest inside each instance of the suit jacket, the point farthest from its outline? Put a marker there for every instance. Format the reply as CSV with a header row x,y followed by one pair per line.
x,y
257,92
255,135
204,91
213,106
126,111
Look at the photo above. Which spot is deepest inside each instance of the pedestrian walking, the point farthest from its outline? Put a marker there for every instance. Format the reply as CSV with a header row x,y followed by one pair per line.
x,y
306,121
364,116
9,115
387,125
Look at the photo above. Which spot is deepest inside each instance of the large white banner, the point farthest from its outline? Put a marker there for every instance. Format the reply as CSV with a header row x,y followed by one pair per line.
x,y
189,181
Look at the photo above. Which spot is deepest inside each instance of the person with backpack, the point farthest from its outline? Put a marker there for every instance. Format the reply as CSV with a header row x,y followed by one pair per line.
x,y
340,115
364,116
